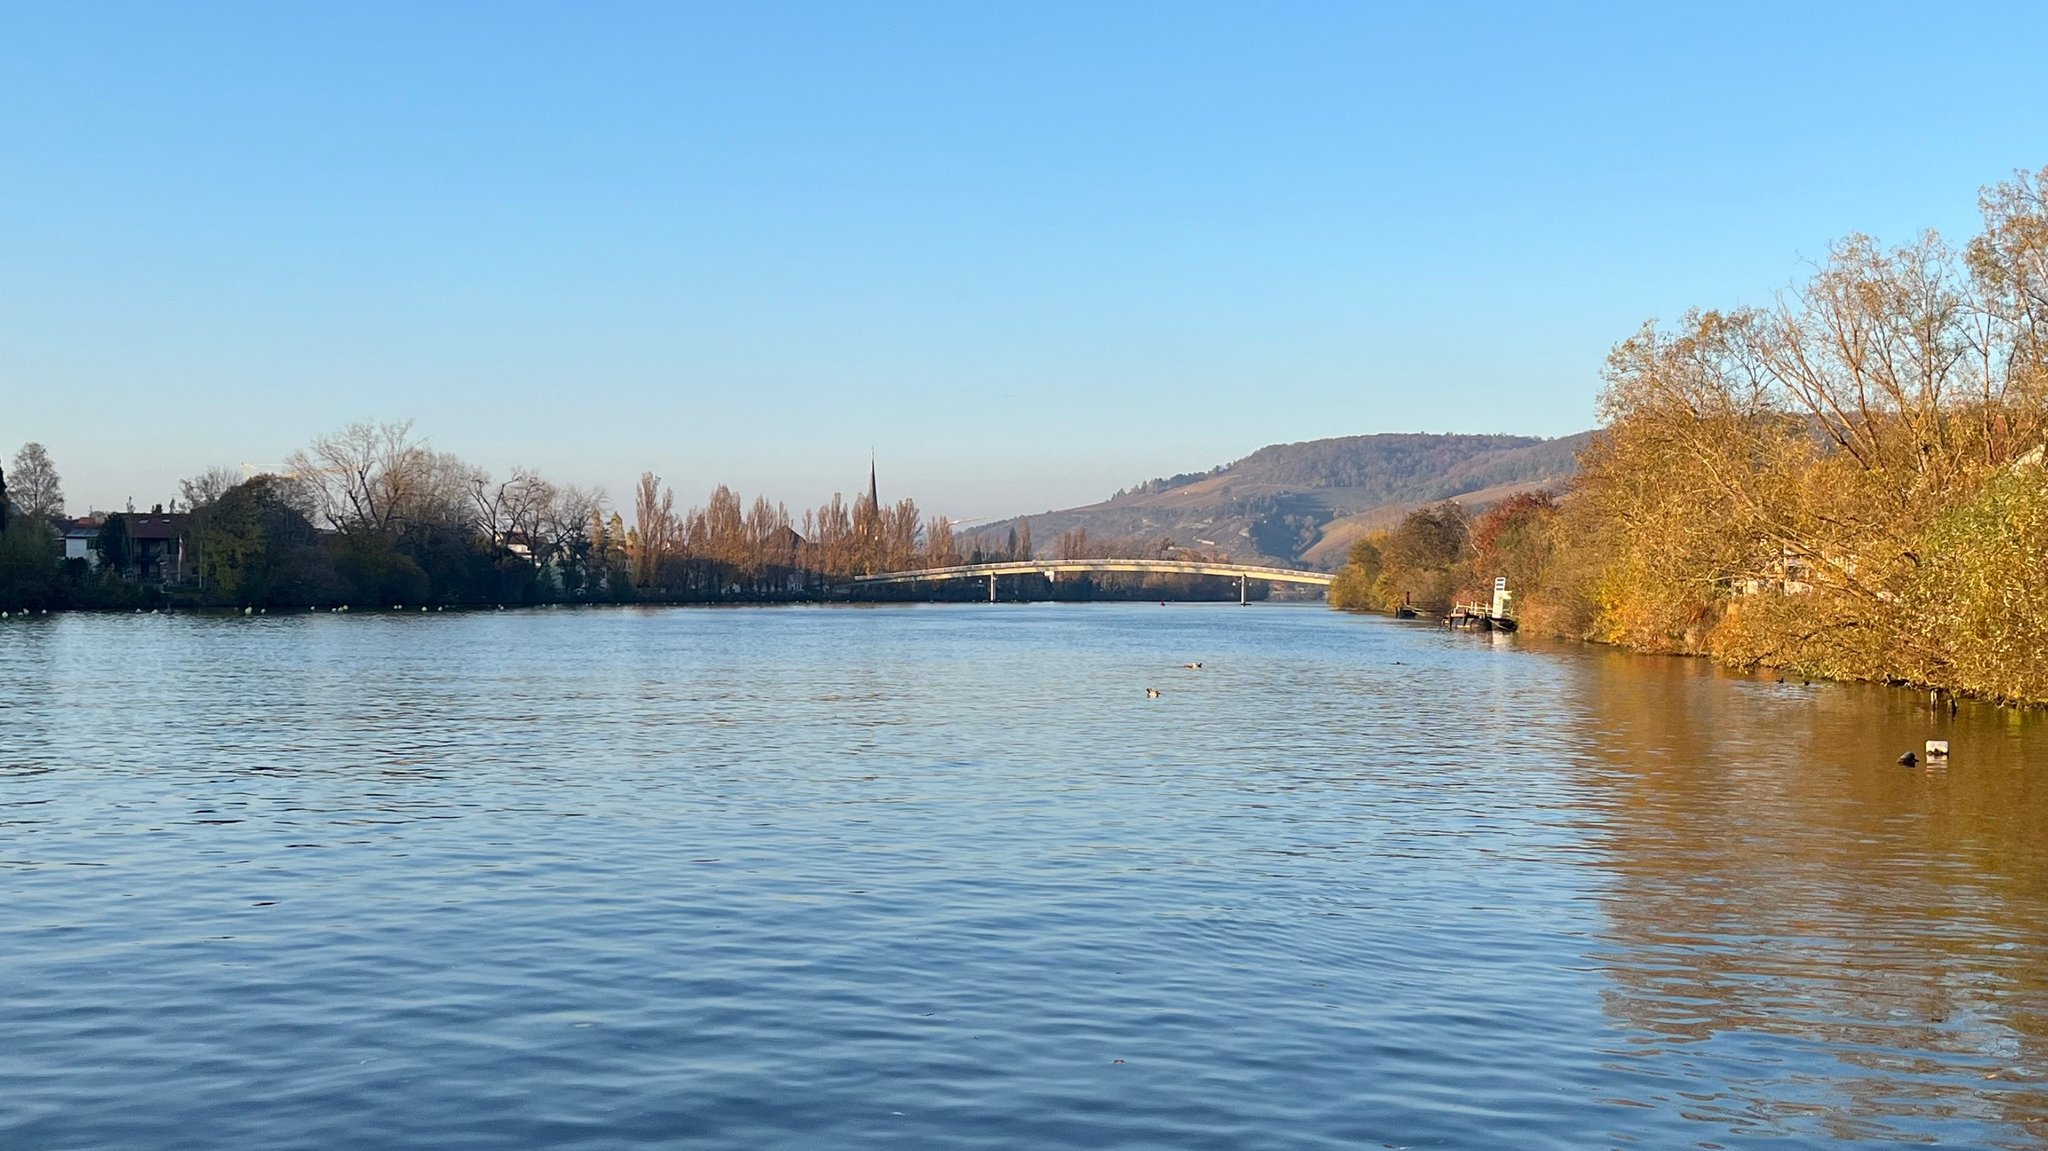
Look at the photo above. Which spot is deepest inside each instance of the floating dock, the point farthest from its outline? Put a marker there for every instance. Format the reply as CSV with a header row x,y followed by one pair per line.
x,y
1477,617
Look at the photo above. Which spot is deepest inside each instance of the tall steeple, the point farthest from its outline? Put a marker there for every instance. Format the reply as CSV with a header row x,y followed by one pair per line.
x,y
874,500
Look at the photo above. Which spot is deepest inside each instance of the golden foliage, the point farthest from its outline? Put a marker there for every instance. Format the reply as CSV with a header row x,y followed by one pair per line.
x,y
1846,483
1356,587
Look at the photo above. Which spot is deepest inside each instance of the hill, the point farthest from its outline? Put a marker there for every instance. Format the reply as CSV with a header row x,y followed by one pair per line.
x,y
1302,504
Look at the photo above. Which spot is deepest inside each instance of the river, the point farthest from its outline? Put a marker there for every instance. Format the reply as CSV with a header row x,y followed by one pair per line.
x,y
945,877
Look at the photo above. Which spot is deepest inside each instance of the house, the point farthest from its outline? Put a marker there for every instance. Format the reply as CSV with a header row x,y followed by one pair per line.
x,y
81,540
1796,572
783,557
157,543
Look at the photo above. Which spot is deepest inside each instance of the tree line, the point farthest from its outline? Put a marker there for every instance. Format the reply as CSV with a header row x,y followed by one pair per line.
x,y
1848,482
372,515
728,549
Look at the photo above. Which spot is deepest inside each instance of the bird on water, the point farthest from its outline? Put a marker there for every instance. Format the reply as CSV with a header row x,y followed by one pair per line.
x,y
1909,759
1151,693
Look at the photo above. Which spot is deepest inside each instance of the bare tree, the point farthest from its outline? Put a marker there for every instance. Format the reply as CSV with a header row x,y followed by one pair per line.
x,y
511,512
768,548
365,477
208,486
939,547
725,530
655,530
555,526
567,529
831,536
33,483
902,536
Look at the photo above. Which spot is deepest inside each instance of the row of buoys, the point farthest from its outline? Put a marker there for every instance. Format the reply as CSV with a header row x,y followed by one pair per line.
x,y
25,612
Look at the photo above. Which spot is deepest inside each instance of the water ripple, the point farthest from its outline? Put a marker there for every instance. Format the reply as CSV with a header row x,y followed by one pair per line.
x,y
945,878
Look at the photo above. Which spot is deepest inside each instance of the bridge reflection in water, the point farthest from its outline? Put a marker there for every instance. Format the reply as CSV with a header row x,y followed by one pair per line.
x,y
1053,569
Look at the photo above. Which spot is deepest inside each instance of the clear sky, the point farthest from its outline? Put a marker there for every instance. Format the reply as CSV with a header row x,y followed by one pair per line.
x,y
1027,253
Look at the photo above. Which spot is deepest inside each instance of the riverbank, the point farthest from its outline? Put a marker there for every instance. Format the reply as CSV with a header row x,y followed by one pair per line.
x,y
1848,484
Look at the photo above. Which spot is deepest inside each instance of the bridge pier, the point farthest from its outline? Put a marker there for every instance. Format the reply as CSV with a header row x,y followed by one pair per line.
x,y
1240,591
991,587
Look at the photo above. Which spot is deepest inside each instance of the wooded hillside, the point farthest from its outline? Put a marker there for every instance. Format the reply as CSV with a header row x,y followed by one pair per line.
x,y
1303,503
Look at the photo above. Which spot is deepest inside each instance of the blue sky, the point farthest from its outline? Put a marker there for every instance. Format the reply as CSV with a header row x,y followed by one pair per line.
x,y
1026,253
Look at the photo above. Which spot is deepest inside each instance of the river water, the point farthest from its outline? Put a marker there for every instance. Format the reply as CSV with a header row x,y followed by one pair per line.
x,y
944,877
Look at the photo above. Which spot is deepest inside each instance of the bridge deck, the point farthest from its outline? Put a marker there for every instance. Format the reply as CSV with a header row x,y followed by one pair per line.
x,y
1050,568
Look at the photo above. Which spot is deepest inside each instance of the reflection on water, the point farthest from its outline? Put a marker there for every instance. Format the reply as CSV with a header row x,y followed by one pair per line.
x,y
948,878
1783,889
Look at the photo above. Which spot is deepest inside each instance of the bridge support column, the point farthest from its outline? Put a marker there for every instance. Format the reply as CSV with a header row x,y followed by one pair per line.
x,y
1240,591
991,588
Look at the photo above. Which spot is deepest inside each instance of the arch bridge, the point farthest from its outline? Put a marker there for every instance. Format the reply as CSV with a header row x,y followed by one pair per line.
x,y
1053,569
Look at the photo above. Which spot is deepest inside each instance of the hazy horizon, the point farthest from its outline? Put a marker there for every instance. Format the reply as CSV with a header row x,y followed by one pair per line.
x,y
1025,257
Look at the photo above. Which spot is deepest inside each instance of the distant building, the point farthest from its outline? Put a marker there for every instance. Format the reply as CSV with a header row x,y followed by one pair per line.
x,y
158,541
784,547
81,540
784,554
1789,573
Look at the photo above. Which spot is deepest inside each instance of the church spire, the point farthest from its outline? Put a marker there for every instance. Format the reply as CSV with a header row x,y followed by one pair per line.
x,y
874,500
